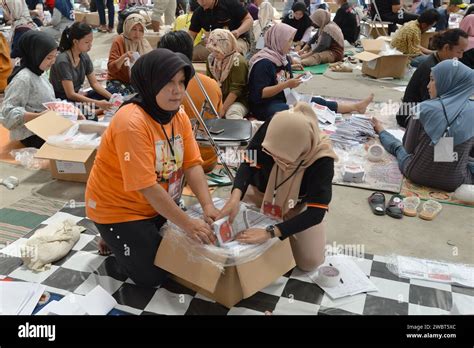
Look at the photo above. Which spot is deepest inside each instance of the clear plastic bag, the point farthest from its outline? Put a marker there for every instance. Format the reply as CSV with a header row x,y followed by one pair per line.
x,y
27,159
82,135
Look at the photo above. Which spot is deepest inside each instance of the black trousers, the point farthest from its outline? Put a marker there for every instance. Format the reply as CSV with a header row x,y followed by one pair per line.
x,y
395,18
134,245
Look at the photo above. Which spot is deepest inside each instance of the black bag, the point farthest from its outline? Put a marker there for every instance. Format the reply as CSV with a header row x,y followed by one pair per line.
x,y
127,12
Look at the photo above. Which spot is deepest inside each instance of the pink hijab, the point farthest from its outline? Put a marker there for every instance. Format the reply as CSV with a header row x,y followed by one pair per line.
x,y
275,40
467,24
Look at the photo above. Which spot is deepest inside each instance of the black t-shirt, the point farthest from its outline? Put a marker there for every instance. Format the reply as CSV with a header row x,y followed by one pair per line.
x,y
346,19
385,6
226,14
315,189
32,4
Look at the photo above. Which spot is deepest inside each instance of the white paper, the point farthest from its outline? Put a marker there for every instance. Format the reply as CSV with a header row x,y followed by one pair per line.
x,y
400,89
19,297
260,43
60,217
33,301
354,281
97,302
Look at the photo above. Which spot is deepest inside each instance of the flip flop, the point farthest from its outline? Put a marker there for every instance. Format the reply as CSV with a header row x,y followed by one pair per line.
x,y
395,207
430,209
377,203
410,205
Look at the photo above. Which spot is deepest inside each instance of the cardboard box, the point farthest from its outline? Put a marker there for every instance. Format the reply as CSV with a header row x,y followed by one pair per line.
x,y
66,164
236,282
373,30
426,38
153,38
79,16
93,18
333,7
380,66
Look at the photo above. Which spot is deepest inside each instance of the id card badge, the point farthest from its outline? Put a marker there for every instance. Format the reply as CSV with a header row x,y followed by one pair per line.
x,y
444,150
260,43
174,184
272,210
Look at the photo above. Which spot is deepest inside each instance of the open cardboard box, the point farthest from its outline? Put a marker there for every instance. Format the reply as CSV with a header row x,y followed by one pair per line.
x,y
79,16
153,38
65,164
236,282
374,30
380,66
426,38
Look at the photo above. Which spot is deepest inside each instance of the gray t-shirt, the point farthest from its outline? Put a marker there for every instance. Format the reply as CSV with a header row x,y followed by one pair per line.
x,y
63,69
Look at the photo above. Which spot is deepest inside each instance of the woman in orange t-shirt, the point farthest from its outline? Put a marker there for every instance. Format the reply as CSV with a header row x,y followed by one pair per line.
x,y
136,178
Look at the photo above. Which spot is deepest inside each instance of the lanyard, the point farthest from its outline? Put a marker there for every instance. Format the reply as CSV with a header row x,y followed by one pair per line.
x,y
446,117
284,181
168,140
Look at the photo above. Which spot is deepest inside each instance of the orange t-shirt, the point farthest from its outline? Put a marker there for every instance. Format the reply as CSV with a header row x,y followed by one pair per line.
x,y
131,157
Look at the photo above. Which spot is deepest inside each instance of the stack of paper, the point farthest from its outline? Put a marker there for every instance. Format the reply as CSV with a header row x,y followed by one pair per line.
x,y
19,298
64,108
96,302
354,281
353,131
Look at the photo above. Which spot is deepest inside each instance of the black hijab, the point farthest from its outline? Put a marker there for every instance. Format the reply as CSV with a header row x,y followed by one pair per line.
x,y
151,73
33,46
300,25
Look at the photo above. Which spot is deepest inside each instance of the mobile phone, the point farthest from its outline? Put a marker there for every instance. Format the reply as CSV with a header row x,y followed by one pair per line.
x,y
216,131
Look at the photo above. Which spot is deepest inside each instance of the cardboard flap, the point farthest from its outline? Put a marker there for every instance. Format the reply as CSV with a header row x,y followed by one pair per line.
x,y
366,56
48,151
373,46
275,261
173,257
51,123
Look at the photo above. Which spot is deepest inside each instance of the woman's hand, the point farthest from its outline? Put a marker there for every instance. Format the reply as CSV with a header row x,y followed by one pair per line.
x,y
231,209
200,231
103,104
253,236
305,55
294,82
210,213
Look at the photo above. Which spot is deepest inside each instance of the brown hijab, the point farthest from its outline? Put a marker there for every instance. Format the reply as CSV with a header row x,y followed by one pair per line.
x,y
295,142
322,19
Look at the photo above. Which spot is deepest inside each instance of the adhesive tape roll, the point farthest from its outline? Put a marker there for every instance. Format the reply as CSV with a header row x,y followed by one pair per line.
x,y
375,152
329,276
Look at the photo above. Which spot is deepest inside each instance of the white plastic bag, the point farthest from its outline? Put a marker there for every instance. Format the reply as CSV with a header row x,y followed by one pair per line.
x,y
82,135
27,159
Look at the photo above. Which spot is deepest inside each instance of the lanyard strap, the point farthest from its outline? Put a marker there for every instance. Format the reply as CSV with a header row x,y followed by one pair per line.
x,y
446,117
168,140
284,181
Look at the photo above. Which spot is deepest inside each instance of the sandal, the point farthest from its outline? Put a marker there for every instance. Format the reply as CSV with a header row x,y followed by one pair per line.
x,y
341,68
410,205
430,210
377,203
395,207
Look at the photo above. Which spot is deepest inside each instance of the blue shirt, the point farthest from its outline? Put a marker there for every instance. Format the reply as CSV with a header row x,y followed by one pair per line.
x,y
443,22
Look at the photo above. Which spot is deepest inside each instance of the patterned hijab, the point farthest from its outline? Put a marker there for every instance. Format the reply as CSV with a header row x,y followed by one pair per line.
x,y
265,19
322,19
142,46
223,47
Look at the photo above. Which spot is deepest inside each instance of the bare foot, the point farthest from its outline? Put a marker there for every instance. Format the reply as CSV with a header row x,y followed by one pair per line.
x,y
103,248
377,125
363,104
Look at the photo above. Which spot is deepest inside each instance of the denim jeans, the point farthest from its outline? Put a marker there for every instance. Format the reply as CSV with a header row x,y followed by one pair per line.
x,y
101,10
394,146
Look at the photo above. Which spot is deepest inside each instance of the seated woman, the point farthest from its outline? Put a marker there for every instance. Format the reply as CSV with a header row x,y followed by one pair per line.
x,y
261,25
290,181
180,41
467,24
448,114
448,45
136,178
348,20
230,69
5,62
298,18
122,50
271,74
28,88
17,12
327,46
63,16
73,64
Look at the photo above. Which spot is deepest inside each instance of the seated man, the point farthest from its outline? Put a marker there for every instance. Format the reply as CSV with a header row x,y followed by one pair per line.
x,y
221,14
445,12
408,38
391,11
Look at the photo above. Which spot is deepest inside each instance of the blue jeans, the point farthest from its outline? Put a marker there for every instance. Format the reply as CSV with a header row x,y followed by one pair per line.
x,y
101,10
394,146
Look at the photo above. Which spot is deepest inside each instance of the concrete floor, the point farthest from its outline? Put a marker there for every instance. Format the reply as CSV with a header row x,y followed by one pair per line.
x,y
350,221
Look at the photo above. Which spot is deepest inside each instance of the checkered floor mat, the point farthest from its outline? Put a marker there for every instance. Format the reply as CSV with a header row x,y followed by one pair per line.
x,y
293,293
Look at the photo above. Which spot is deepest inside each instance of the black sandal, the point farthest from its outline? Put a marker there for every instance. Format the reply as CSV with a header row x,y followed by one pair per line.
x,y
395,207
377,203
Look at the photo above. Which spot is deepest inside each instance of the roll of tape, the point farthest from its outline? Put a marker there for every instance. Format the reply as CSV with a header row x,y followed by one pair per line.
x,y
329,276
375,153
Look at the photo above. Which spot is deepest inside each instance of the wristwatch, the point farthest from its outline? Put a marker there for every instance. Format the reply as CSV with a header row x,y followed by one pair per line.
x,y
271,229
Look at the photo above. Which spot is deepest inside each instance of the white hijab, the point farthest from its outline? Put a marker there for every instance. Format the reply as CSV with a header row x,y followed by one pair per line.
x,y
265,19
